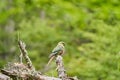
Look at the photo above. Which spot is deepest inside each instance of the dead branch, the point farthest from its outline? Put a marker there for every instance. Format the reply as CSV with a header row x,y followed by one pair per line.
x,y
25,55
27,76
61,71
60,68
4,77
20,71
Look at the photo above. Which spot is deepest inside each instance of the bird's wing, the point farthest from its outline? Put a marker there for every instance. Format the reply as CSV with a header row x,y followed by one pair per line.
x,y
55,51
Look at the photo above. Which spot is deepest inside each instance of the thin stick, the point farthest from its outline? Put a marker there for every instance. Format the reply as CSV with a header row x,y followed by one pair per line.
x,y
21,55
25,55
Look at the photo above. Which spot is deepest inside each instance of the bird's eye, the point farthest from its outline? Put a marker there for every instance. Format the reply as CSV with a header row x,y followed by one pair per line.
x,y
63,43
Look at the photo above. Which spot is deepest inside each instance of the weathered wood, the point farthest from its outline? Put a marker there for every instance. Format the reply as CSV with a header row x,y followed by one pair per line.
x,y
22,47
27,76
4,77
20,71
61,70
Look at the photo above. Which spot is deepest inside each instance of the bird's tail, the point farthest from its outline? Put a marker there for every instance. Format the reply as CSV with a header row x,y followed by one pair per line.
x,y
51,58
52,54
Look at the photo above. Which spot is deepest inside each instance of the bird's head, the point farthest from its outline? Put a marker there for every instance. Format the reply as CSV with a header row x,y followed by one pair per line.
x,y
61,42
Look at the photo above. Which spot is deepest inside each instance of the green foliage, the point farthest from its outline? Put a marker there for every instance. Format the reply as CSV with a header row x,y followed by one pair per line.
x,y
90,29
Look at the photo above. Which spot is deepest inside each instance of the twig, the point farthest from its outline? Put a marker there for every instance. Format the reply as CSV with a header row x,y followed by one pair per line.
x,y
25,55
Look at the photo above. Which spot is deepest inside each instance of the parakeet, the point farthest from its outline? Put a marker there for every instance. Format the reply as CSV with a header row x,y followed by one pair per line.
x,y
58,50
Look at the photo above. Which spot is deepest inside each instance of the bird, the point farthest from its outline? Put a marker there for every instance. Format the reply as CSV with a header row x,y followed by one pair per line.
x,y
58,50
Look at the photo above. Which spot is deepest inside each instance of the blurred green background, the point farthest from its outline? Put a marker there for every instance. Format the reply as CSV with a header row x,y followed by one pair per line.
x,y
90,29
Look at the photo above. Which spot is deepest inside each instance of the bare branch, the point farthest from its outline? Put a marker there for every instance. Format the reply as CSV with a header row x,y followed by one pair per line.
x,y
19,71
24,75
25,55
4,77
61,71
60,68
